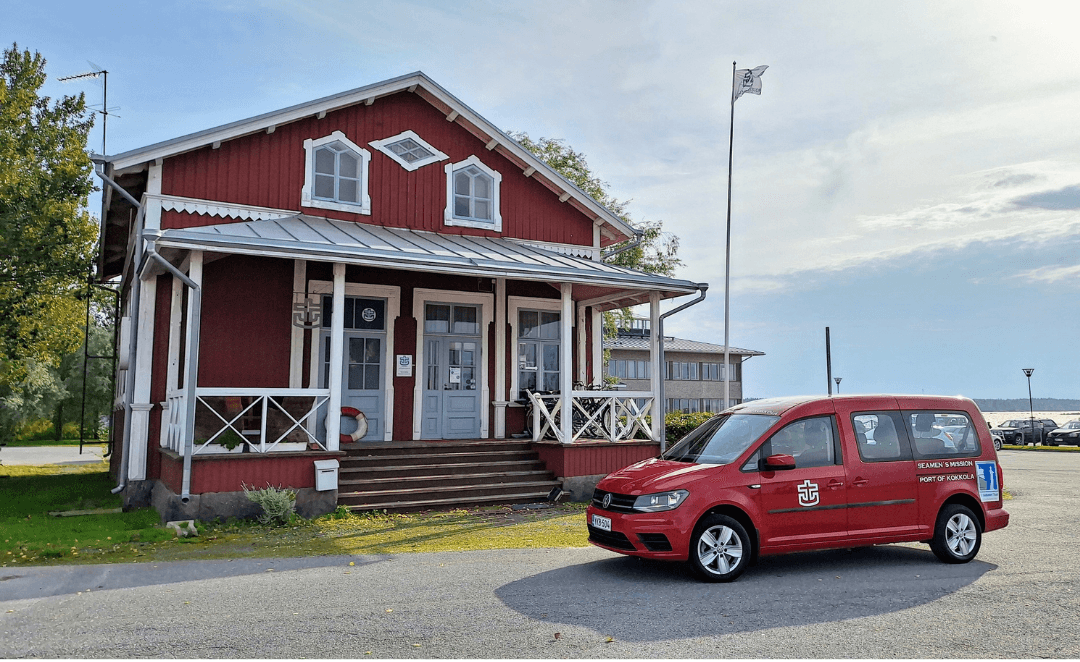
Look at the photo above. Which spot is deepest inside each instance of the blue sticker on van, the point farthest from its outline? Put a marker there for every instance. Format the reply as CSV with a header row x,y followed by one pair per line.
x,y
989,485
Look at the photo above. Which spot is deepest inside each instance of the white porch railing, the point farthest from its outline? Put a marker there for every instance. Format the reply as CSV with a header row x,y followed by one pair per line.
x,y
253,420
610,415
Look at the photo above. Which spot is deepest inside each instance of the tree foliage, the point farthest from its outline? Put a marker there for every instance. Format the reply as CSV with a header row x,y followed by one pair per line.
x,y
657,253
46,233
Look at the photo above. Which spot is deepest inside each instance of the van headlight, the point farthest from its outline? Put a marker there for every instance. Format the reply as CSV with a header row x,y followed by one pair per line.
x,y
654,503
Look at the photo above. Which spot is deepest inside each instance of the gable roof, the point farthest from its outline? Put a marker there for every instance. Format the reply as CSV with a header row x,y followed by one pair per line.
x,y
613,227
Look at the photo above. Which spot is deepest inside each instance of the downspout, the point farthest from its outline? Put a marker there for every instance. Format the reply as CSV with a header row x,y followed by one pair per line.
x,y
702,288
639,236
129,379
192,376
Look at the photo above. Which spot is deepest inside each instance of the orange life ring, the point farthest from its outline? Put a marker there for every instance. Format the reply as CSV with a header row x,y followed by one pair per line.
x,y
361,425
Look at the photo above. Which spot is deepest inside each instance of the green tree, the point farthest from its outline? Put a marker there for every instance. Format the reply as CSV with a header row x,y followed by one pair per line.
x,y
47,235
657,253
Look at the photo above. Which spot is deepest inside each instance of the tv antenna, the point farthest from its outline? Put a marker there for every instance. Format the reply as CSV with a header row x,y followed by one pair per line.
x,y
96,72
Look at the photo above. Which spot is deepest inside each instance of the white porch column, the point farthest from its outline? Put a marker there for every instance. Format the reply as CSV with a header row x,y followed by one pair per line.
x,y
337,341
500,400
566,364
582,374
296,353
656,370
140,397
191,355
172,373
597,346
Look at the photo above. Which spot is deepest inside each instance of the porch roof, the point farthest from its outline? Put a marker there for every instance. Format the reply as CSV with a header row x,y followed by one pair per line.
x,y
301,236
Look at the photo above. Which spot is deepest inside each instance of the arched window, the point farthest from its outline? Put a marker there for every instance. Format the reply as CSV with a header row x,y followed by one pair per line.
x,y
336,175
472,195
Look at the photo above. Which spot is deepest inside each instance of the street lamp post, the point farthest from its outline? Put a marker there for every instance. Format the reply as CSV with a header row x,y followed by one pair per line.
x,y
1031,408
837,380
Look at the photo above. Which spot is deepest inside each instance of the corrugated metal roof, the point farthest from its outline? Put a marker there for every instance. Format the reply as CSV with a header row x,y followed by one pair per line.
x,y
318,238
675,345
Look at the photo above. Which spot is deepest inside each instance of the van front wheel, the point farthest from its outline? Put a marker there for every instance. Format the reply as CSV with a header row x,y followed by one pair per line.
x,y
957,536
720,549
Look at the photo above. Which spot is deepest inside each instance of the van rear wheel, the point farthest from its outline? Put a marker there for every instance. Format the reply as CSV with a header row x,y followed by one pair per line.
x,y
957,536
720,549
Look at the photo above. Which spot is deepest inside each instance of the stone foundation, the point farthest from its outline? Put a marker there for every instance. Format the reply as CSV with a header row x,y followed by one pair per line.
x,y
580,488
310,503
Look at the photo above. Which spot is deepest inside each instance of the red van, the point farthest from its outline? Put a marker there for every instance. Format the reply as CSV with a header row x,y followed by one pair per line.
x,y
802,473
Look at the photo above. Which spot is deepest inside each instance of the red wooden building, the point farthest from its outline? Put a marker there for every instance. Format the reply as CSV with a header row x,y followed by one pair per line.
x,y
465,271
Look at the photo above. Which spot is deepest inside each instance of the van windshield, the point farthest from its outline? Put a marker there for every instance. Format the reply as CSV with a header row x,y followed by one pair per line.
x,y
721,439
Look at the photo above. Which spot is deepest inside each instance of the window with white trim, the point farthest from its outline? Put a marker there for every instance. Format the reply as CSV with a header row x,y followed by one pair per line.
x,y
538,350
336,175
472,195
409,150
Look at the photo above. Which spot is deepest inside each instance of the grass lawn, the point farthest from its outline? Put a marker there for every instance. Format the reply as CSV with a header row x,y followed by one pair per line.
x,y
30,536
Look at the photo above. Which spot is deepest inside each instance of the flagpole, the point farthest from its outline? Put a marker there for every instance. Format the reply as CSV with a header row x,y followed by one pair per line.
x,y
727,251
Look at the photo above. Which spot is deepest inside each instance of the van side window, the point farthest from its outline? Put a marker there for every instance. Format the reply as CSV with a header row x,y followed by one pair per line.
x,y
880,436
811,441
941,434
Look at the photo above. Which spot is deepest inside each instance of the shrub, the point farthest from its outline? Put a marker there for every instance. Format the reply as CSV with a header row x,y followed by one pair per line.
x,y
278,504
678,424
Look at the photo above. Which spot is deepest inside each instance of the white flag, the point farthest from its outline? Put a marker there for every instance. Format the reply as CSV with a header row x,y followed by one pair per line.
x,y
748,80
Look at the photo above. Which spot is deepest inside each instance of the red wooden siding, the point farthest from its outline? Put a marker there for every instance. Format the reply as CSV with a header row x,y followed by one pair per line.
x,y
593,458
159,373
228,473
246,331
267,170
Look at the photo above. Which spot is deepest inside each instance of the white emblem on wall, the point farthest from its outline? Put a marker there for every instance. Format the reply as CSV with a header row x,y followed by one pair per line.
x,y
808,493
404,365
368,314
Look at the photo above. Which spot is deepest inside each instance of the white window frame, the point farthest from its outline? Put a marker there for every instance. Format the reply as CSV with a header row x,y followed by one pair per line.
x,y
307,197
513,304
496,216
383,146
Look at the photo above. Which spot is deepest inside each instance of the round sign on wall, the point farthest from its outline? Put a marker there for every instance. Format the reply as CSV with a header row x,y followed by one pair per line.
x,y
368,314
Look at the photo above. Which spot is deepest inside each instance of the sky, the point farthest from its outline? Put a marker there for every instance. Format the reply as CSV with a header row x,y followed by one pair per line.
x,y
909,176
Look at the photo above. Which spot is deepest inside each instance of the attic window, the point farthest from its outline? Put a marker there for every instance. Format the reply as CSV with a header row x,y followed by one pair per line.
x,y
409,150
472,195
336,175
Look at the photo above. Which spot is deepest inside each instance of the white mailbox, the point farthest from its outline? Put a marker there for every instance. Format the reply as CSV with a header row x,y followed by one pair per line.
x,y
326,475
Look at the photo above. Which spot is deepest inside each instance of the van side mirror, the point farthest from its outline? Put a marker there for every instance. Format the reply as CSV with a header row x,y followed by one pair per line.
x,y
779,462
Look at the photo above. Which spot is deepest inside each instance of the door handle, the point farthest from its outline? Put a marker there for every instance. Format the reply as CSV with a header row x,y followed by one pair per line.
x,y
859,482
835,484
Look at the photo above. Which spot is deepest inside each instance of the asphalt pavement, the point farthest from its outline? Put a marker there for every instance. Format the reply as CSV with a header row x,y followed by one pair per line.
x,y
37,455
1019,598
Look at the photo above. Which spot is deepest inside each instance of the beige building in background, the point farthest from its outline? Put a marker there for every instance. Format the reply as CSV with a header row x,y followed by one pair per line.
x,y
694,371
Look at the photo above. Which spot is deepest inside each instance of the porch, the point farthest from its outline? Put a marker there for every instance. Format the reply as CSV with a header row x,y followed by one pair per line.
x,y
438,339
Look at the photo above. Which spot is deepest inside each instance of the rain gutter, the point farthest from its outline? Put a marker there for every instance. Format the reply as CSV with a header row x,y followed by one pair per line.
x,y
702,289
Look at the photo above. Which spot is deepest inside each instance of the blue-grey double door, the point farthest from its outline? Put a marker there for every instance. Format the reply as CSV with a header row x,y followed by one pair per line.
x,y
452,387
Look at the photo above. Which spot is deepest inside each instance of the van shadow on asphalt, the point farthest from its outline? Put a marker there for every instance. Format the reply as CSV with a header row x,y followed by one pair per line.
x,y
45,581
635,599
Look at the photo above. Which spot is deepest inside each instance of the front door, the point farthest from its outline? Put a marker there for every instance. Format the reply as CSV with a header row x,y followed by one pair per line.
x,y
452,381
363,369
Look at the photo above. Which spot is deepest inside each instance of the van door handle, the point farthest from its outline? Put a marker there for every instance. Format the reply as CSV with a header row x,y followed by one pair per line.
x,y
859,482
835,484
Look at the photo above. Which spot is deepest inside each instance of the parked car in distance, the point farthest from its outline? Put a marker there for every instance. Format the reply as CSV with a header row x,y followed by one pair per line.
x,y
1068,434
1018,431
801,473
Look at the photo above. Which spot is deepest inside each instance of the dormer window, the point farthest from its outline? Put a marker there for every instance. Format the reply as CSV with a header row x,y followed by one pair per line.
x,y
336,176
409,150
472,195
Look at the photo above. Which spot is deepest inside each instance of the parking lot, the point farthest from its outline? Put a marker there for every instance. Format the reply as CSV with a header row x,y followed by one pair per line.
x,y
1019,598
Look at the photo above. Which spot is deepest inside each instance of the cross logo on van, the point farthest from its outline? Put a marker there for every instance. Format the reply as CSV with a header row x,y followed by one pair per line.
x,y
808,493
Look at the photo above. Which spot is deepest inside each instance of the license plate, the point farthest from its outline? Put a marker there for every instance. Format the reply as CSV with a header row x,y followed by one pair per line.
x,y
602,523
